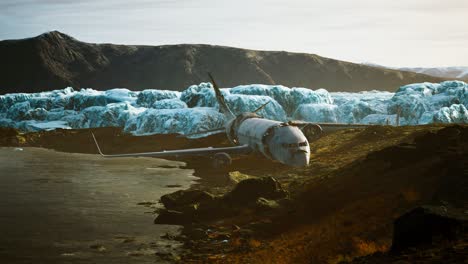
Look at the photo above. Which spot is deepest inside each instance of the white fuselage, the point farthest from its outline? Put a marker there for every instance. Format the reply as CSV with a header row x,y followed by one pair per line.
x,y
275,140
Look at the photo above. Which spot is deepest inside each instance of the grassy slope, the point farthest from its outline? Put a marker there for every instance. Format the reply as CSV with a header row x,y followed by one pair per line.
x,y
346,201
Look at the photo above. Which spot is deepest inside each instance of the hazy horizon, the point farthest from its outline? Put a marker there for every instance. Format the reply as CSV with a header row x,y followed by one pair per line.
x,y
394,33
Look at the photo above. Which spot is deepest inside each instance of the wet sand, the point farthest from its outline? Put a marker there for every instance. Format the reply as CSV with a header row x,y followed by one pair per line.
x,y
79,208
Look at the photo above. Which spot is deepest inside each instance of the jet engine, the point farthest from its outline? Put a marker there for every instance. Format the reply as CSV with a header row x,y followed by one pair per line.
x,y
221,160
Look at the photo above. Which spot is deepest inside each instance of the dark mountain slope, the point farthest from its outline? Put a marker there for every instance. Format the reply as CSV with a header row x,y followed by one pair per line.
x,y
55,60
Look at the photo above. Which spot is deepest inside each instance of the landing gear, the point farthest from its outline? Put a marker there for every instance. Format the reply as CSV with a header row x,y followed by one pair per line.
x,y
221,160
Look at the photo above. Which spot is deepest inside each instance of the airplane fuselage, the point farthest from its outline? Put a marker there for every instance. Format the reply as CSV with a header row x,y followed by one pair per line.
x,y
273,139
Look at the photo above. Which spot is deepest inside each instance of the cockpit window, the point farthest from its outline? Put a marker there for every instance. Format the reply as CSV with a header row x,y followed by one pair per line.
x,y
295,145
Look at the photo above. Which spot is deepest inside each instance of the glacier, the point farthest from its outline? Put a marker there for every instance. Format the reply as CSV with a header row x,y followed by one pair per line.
x,y
195,109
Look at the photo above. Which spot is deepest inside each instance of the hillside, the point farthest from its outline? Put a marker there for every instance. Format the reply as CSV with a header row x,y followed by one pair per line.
x,y
55,60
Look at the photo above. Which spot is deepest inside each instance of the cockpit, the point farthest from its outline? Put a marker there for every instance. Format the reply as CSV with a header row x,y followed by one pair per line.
x,y
295,145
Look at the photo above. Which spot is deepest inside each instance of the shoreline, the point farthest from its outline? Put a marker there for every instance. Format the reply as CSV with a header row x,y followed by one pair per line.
x,y
66,207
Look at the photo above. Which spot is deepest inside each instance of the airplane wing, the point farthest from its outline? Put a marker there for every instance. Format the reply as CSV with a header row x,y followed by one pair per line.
x,y
204,132
244,149
329,127
314,131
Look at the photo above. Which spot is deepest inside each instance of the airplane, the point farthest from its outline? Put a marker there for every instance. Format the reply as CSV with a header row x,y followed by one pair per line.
x,y
284,142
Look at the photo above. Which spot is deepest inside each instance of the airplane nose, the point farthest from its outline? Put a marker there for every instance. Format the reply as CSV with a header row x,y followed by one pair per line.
x,y
301,158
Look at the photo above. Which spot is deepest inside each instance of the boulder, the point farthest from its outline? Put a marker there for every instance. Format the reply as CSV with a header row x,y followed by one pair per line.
x,y
248,191
185,198
427,225
170,217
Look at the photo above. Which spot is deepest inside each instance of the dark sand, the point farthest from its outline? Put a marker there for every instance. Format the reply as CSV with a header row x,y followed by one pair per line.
x,y
78,208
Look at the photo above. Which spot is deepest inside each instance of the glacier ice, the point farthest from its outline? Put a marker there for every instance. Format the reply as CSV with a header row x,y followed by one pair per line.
x,y
240,103
353,107
288,98
88,98
195,108
415,102
182,121
34,126
19,111
174,103
278,92
381,119
318,113
201,95
456,113
147,98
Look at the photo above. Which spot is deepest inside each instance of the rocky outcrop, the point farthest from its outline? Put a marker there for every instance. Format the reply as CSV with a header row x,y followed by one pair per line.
x,y
183,198
428,225
250,190
191,206
426,234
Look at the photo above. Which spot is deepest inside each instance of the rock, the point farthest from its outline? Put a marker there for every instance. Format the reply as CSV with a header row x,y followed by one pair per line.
x,y
169,236
267,205
185,198
195,233
173,186
170,217
427,225
187,206
8,136
236,177
248,191
98,247
245,232
264,226
146,204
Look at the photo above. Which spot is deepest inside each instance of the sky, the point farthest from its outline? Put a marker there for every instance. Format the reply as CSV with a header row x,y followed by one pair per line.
x,y
395,33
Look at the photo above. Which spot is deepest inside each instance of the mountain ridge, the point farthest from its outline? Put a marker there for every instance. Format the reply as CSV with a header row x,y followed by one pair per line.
x,y
449,72
54,60
453,72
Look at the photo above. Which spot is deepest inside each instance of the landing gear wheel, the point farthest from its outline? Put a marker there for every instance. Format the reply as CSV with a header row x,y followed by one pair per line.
x,y
221,160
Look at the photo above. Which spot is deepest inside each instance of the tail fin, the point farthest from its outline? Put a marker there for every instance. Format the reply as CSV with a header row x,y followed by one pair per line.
x,y
261,107
223,108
